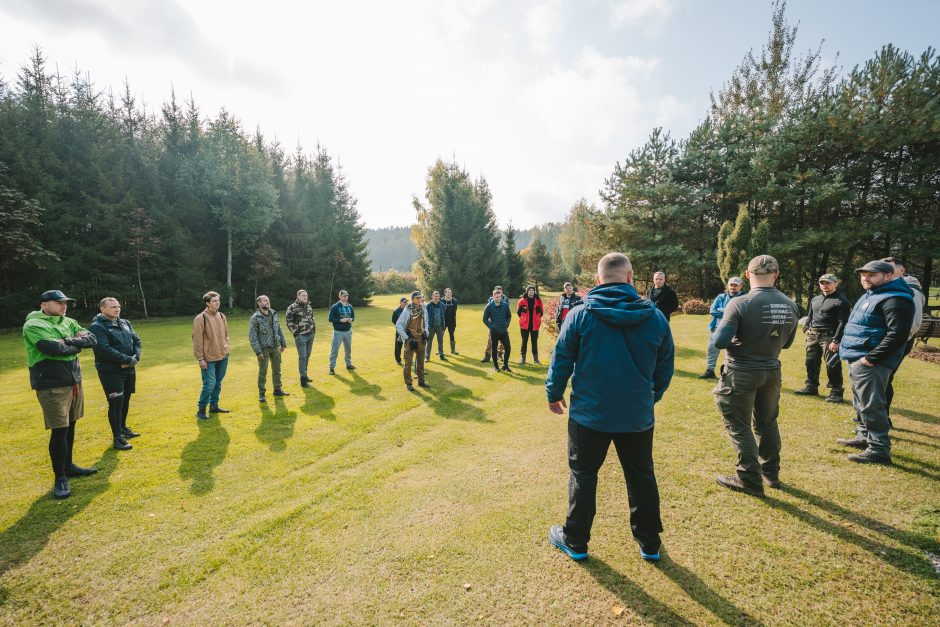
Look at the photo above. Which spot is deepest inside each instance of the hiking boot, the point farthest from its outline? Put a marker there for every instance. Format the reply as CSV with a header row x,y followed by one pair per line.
x,y
61,489
835,397
556,535
350,367
201,414
441,355
537,362
423,384
733,482
304,382
807,390
121,444
485,359
708,374
773,482
215,409
868,456
261,398
410,387
127,433
856,442
332,371
280,392
77,471
506,368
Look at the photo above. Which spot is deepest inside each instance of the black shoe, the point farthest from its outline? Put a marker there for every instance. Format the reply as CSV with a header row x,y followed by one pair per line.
x,y
121,444
556,535
537,362
280,392
522,361
835,397
856,442
773,482
485,359
708,374
61,489
454,353
215,409
807,390
350,367
128,433
496,369
304,382
261,398
410,387
398,361
77,471
870,457
506,369
332,371
423,384
441,355
733,482
201,414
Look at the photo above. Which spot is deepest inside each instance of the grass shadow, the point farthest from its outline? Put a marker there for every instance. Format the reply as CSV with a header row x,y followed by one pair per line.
x,y
921,433
632,595
914,470
897,558
361,387
203,454
699,591
917,416
316,403
449,400
683,352
276,426
912,441
684,374
26,537
470,371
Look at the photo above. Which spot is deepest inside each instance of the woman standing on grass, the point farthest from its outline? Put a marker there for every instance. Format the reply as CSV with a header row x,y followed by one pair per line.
x,y
530,312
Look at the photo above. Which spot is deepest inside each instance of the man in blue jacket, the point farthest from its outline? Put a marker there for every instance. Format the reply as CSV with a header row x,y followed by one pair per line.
x,y
717,311
874,343
496,317
623,350
341,317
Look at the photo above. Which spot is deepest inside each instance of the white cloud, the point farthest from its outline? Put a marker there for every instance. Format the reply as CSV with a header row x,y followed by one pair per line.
x,y
543,23
624,12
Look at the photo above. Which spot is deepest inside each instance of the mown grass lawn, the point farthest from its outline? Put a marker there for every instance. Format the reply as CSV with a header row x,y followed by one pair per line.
x,y
359,502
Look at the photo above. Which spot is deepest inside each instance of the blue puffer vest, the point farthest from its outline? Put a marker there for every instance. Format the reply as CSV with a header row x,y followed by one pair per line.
x,y
866,328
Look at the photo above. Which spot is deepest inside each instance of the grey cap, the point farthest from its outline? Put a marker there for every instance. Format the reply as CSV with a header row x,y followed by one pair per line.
x,y
416,293
763,264
876,266
736,280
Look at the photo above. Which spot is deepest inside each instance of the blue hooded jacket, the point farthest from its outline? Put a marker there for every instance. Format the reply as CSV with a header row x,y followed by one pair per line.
x,y
617,349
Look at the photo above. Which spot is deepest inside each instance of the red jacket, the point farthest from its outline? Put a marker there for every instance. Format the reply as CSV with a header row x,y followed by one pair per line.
x,y
522,310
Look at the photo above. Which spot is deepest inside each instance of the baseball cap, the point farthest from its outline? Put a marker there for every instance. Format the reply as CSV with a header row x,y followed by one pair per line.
x,y
55,295
403,300
416,293
828,278
763,264
876,266
736,280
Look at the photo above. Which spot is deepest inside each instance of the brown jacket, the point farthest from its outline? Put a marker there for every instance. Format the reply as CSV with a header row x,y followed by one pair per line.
x,y
210,336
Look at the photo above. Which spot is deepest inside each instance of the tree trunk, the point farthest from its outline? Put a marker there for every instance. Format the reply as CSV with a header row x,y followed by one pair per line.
x,y
228,272
140,284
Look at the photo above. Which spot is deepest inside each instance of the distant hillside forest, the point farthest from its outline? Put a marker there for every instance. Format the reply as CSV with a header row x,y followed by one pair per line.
x,y
392,248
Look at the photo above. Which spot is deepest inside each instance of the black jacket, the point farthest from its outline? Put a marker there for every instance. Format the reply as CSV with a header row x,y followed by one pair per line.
x,y
666,301
828,314
450,312
118,344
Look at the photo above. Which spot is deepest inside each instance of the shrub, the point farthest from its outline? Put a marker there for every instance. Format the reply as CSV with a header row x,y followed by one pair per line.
x,y
550,309
394,282
695,307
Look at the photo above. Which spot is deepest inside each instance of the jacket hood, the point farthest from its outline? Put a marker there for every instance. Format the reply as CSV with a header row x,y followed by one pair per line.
x,y
103,319
910,280
619,305
895,285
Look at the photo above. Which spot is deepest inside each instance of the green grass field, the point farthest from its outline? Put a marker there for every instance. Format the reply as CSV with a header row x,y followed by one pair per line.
x,y
359,502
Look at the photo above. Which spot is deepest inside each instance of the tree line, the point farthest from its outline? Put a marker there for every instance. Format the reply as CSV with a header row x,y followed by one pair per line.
x,y
827,172
101,196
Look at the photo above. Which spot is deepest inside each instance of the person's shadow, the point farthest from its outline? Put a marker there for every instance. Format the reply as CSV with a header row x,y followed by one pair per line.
x,y
705,596
361,387
316,403
632,595
449,400
26,537
203,454
276,426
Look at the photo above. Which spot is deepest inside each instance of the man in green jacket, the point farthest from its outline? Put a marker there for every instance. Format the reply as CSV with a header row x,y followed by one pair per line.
x,y
53,342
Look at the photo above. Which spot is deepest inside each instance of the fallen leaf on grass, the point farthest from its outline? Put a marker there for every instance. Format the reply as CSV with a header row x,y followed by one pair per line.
x,y
466,586
617,610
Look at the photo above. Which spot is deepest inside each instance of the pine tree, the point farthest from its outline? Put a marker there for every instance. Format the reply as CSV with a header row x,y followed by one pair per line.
x,y
538,264
515,266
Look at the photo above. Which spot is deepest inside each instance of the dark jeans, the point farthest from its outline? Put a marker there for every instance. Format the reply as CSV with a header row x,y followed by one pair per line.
x,y
535,342
586,452
869,397
503,337
817,341
743,397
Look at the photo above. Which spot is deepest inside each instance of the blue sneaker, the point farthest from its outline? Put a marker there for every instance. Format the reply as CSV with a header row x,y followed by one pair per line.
x,y
649,557
556,535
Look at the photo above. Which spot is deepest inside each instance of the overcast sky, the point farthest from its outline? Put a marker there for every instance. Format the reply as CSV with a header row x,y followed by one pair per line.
x,y
540,97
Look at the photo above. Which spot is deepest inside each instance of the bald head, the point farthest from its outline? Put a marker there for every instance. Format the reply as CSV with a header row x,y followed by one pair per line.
x,y
615,268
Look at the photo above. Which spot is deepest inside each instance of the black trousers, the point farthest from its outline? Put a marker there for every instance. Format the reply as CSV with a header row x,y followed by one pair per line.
x,y
398,345
499,336
118,388
587,450
450,331
526,333
817,353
